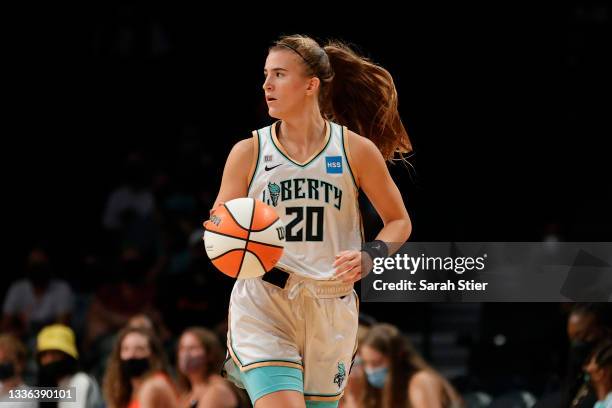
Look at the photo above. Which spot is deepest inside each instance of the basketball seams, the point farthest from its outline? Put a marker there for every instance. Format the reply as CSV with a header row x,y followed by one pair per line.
x,y
227,252
266,227
247,238
256,257
234,218
266,244
244,239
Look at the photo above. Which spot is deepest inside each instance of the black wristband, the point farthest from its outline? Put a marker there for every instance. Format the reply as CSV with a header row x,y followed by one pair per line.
x,y
376,249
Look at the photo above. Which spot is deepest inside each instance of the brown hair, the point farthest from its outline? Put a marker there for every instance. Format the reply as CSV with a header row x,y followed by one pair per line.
x,y
15,350
354,91
214,355
404,363
118,388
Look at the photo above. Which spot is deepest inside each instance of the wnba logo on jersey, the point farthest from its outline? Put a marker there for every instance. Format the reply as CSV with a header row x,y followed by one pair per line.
x,y
333,164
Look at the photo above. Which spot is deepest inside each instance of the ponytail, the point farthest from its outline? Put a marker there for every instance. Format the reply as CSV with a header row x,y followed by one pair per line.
x,y
354,92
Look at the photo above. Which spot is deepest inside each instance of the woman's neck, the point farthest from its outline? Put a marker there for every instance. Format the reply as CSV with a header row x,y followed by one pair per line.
x,y
602,390
198,379
136,383
303,129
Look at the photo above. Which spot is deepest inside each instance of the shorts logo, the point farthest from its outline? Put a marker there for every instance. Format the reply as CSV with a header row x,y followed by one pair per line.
x,y
333,164
341,375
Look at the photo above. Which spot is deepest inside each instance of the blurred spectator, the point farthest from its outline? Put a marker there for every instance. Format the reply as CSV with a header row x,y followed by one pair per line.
x,y
199,359
587,324
125,294
12,366
199,296
137,372
153,323
397,376
356,381
132,199
37,300
142,321
130,210
58,367
599,368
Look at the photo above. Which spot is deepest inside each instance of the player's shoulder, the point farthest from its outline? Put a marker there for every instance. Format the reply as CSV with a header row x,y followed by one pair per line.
x,y
244,144
244,148
361,147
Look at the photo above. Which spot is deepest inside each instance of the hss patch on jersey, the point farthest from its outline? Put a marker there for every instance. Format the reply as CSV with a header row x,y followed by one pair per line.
x,y
333,164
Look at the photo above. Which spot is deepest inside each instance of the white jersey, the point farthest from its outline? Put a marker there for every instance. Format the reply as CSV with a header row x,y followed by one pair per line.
x,y
316,200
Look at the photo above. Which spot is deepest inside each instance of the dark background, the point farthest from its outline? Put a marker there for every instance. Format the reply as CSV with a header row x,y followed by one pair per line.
x,y
505,106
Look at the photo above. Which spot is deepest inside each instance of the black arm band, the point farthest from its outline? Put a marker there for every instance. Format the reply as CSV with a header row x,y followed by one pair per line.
x,y
376,249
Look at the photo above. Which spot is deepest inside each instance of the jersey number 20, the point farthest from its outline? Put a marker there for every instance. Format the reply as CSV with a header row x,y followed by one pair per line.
x,y
313,225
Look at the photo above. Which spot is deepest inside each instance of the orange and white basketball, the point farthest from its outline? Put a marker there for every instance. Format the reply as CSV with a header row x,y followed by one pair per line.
x,y
244,238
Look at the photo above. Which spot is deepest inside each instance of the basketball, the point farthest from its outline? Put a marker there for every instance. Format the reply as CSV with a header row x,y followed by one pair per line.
x,y
244,238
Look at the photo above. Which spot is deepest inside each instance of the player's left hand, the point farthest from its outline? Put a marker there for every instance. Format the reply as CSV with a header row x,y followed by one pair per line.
x,y
348,266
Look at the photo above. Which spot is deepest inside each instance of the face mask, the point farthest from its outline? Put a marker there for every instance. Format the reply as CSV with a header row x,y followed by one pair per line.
x,y
50,374
377,376
135,367
580,351
189,364
7,370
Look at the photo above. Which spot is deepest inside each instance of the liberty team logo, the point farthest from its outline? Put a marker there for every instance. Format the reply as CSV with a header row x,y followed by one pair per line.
x,y
274,190
341,375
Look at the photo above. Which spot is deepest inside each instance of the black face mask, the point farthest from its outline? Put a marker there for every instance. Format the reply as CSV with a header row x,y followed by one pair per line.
x,y
578,354
7,370
135,367
50,374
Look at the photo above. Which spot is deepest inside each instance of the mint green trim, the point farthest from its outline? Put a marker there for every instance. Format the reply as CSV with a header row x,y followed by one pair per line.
x,y
266,380
348,165
256,165
310,161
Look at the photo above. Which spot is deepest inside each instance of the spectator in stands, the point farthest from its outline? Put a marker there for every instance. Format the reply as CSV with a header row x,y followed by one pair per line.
x,y
37,300
129,216
59,367
599,369
588,323
398,377
199,360
125,294
12,366
356,381
137,372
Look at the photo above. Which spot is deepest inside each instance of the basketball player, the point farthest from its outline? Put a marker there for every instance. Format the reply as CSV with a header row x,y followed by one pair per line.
x,y
292,333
